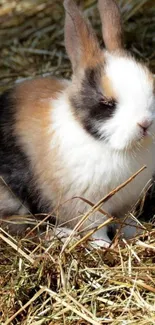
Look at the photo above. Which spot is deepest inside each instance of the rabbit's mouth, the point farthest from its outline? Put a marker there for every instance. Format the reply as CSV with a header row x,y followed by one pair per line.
x,y
143,141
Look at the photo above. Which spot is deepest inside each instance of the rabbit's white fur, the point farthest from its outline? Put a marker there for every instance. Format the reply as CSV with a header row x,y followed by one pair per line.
x,y
91,167
136,102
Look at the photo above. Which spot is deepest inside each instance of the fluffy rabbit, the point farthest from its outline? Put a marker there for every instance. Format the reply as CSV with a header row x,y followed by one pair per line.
x,y
60,139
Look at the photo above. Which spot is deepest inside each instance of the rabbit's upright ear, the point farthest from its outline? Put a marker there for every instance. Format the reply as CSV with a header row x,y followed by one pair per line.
x,y
80,40
111,24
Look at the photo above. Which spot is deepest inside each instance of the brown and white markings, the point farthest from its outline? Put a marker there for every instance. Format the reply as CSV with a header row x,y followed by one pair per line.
x,y
60,139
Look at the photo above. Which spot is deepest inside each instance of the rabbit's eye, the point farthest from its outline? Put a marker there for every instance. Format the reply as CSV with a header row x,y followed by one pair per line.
x,y
109,104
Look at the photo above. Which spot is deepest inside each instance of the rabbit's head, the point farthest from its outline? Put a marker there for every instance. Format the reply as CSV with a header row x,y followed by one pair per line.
x,y
112,94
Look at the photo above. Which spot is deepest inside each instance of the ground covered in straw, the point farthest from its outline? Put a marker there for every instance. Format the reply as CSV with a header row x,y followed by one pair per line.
x,y
52,284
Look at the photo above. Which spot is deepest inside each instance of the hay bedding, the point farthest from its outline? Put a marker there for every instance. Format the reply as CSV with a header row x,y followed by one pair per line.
x,y
46,284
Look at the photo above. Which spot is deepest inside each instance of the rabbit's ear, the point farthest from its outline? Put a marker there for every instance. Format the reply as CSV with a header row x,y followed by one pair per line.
x,y
80,40
111,24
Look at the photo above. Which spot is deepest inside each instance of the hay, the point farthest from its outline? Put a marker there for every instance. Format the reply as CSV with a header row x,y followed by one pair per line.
x,y
42,284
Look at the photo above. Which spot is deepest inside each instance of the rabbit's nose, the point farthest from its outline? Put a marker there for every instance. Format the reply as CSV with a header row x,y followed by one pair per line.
x,y
144,125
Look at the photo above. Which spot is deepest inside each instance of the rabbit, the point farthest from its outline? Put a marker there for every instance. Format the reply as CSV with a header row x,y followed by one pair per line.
x,y
61,139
